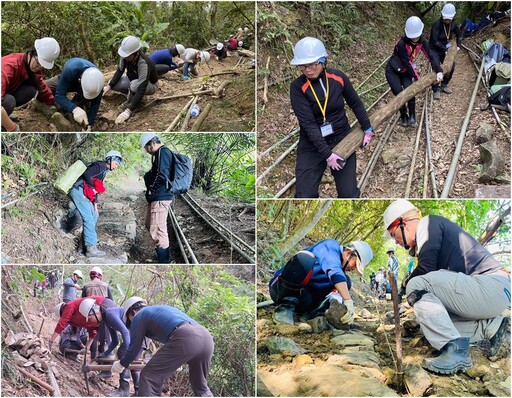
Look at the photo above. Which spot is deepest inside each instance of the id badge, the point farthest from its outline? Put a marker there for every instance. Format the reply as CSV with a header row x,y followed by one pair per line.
x,y
415,66
448,45
326,129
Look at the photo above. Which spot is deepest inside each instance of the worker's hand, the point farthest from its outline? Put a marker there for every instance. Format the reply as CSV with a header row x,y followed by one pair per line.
x,y
335,162
117,367
78,287
440,76
348,318
186,77
106,89
124,116
368,134
458,48
80,116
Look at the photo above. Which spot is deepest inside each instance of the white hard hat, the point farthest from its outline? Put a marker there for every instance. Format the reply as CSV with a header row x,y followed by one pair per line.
x,y
395,210
145,138
57,309
413,27
391,249
448,11
129,304
240,43
78,273
246,29
220,46
308,50
205,56
128,46
112,154
180,48
97,270
47,50
364,254
239,29
86,305
92,82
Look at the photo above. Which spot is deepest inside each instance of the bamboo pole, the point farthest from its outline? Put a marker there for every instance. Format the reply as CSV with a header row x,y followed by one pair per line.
x,y
201,118
267,151
187,116
398,333
285,188
430,157
278,160
414,154
180,114
425,175
265,83
371,74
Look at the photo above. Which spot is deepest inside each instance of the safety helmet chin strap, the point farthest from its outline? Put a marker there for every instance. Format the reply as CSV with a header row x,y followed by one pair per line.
x,y
402,226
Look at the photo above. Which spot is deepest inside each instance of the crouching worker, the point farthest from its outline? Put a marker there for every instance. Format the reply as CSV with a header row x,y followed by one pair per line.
x,y
304,285
183,339
140,79
220,52
72,338
163,58
192,57
458,289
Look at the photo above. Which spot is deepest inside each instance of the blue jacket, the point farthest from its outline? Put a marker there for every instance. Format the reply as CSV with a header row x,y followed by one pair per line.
x,y
156,322
69,290
163,57
69,81
327,270
113,318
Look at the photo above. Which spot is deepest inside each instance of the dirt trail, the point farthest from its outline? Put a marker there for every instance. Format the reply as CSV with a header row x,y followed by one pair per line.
x,y
233,112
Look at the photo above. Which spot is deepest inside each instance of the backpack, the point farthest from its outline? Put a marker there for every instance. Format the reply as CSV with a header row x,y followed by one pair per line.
x,y
65,182
181,174
500,99
496,51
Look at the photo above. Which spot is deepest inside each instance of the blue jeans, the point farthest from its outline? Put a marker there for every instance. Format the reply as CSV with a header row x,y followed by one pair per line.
x,y
89,215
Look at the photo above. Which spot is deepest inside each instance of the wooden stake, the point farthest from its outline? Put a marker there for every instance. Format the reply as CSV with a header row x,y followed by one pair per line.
x,y
53,382
398,333
39,333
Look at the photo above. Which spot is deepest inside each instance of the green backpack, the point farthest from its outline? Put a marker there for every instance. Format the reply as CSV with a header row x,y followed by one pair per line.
x,y
65,182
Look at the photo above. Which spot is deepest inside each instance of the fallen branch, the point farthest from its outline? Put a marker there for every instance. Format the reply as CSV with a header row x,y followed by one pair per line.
x,y
182,113
36,380
218,91
187,117
229,72
202,116
247,53
53,382
265,83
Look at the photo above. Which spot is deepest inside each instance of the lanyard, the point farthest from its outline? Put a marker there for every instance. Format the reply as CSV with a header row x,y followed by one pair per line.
x,y
449,31
324,109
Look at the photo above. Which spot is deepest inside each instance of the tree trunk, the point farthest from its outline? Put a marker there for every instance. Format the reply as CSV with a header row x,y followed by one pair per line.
x,y
308,223
353,140
490,232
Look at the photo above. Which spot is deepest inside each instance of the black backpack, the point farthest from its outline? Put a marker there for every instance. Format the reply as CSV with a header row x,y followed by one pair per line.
x,y
181,174
500,99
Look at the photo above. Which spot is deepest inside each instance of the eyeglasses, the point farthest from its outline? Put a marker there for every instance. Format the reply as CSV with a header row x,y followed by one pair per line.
x,y
312,65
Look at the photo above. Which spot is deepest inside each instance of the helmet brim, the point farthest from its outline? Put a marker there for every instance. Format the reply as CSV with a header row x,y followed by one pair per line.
x,y
45,64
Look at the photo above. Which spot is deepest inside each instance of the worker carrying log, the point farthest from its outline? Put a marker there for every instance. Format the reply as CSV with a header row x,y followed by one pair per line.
x,y
401,68
318,99
441,33
183,339
458,289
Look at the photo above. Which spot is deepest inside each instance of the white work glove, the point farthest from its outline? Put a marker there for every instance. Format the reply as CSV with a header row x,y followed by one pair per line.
x,y
440,76
124,116
80,116
458,48
106,89
348,318
117,367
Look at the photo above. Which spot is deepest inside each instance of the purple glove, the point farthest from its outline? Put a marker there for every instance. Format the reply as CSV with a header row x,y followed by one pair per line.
x,y
332,161
368,134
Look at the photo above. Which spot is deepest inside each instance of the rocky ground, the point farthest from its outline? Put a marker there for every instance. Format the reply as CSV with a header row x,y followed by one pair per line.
x,y
312,358
234,111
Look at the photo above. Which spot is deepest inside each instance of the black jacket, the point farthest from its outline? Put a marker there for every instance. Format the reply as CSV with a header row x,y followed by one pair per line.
x,y
438,39
310,117
95,170
405,53
158,179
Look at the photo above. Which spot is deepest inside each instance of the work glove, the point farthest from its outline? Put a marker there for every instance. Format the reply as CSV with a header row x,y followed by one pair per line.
x,y
368,134
458,48
124,116
186,77
106,89
348,318
117,367
440,76
80,116
332,162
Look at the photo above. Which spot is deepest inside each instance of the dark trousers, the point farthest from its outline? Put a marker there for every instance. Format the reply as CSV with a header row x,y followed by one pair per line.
x,y
21,96
310,168
441,55
293,282
189,343
398,82
162,69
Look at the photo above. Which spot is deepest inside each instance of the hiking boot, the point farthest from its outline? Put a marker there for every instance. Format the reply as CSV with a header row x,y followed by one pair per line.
x,y
92,251
454,357
412,120
284,311
497,339
162,255
404,120
437,94
445,89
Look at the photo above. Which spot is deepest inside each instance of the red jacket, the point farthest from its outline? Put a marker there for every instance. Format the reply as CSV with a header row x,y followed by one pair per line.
x,y
98,186
14,74
71,315
233,44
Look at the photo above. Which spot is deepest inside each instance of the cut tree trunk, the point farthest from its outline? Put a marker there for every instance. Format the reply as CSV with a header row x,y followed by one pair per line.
x,y
201,118
353,140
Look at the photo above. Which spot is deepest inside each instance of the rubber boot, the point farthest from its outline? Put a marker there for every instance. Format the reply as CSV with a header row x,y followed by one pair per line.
x,y
284,311
163,255
124,385
497,339
318,311
445,89
404,122
454,357
412,115
92,251
135,378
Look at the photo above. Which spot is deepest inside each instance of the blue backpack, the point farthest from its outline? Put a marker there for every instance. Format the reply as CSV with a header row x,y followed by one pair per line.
x,y
181,174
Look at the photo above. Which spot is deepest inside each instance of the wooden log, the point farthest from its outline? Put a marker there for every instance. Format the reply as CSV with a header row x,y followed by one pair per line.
x,y
201,118
229,72
36,380
353,140
218,92
247,53
187,116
